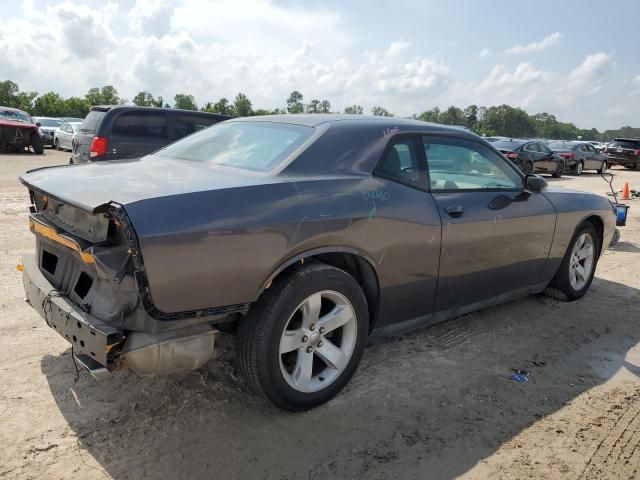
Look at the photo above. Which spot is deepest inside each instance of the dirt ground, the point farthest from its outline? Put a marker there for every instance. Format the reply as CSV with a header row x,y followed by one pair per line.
x,y
432,404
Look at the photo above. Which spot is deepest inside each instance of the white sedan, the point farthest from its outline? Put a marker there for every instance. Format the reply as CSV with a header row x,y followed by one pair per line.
x,y
64,136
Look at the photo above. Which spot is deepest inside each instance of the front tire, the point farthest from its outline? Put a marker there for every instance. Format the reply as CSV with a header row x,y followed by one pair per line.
x,y
528,168
57,145
576,272
36,143
302,341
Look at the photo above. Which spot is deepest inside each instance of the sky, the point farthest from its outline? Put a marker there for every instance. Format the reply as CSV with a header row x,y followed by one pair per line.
x,y
579,60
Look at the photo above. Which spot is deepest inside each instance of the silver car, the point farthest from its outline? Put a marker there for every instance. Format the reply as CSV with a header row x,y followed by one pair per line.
x,y
64,136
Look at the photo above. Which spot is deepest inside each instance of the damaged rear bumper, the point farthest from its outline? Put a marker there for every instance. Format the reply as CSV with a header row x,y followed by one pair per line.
x,y
88,335
101,348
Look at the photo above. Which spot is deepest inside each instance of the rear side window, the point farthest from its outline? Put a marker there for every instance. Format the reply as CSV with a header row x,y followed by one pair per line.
x,y
401,163
91,121
184,125
141,124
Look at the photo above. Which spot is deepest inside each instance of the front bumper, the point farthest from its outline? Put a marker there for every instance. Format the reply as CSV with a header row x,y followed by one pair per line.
x,y
91,338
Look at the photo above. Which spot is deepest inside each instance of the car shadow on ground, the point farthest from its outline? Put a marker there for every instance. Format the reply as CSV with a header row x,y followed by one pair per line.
x,y
430,404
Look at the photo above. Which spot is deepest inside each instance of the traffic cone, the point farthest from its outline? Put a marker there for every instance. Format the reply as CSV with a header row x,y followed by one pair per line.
x,y
625,191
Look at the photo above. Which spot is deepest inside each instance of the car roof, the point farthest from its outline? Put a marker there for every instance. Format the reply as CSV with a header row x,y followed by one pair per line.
x,y
346,120
106,108
11,109
628,139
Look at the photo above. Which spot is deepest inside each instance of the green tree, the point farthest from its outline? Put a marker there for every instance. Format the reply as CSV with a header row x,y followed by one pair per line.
x,y
314,106
381,112
222,106
325,106
432,115
294,102
452,116
11,96
76,107
471,116
145,99
49,104
184,102
354,110
242,106
107,95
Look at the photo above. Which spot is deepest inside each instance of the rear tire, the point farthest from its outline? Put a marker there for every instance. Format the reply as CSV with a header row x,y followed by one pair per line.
x,y
528,168
603,168
563,286
559,170
285,344
578,169
36,143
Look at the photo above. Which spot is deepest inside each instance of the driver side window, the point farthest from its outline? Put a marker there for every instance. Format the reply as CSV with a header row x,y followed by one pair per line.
x,y
456,164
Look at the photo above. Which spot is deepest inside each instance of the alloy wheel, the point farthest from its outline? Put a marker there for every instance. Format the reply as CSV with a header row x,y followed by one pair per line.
x,y
581,261
318,341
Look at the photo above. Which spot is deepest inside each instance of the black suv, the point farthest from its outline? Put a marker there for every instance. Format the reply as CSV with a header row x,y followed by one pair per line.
x,y
116,132
624,151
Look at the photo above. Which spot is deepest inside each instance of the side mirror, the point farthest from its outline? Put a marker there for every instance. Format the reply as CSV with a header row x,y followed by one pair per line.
x,y
534,183
38,124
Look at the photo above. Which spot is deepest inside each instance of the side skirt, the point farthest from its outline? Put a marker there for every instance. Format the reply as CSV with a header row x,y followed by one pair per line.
x,y
444,315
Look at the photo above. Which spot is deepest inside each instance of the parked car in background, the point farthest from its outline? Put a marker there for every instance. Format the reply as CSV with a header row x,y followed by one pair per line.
x,y
533,156
624,151
599,146
582,155
71,119
308,233
18,131
48,128
64,136
495,139
113,132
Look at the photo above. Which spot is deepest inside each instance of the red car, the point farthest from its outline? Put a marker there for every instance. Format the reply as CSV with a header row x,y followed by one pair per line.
x,y
17,131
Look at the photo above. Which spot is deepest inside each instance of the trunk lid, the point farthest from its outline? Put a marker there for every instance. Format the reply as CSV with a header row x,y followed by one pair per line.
x,y
91,187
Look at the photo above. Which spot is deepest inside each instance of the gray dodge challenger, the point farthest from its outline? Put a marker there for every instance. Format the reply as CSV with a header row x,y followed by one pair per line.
x,y
302,235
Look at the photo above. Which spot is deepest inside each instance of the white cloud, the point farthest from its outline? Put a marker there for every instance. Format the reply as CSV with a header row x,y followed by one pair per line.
x,y
546,42
485,52
165,49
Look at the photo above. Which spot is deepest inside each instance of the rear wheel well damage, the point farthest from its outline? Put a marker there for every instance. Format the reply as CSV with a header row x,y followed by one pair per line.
x,y
355,265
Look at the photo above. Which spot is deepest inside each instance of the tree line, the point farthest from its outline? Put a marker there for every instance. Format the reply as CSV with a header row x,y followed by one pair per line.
x,y
502,120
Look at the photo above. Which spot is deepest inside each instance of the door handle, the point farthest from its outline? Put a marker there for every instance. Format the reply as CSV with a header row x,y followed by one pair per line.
x,y
455,211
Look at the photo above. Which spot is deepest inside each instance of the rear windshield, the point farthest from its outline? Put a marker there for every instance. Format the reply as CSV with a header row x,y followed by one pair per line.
x,y
506,145
258,146
625,143
91,121
50,122
561,145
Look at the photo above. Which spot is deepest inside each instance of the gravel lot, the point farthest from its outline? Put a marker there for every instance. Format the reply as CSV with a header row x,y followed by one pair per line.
x,y
432,404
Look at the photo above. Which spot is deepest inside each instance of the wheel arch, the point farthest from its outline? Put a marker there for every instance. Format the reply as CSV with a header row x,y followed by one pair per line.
x,y
355,262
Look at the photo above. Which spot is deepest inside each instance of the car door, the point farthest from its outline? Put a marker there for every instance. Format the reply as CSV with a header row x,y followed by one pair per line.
x,y
547,158
495,235
64,137
533,155
407,231
594,161
136,133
